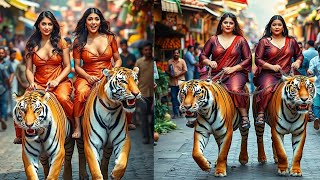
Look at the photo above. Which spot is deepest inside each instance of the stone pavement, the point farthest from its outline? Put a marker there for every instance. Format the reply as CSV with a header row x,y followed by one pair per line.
x,y
173,156
140,164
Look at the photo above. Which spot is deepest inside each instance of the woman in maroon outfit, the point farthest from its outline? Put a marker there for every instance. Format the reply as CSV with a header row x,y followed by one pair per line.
x,y
230,53
274,52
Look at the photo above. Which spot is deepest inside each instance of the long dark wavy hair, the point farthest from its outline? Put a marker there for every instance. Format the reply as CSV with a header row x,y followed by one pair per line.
x,y
81,31
35,38
236,31
267,31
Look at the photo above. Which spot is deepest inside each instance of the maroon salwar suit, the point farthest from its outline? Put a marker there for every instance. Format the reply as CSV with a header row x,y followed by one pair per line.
x,y
240,55
267,80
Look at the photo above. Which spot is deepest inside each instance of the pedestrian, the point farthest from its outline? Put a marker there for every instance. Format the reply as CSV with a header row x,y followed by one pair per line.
x,y
273,53
128,61
23,84
7,95
13,80
146,87
176,70
231,54
96,45
49,54
314,69
197,51
4,88
190,62
308,54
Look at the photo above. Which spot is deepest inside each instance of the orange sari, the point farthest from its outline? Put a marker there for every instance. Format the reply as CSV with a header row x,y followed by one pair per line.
x,y
50,69
93,65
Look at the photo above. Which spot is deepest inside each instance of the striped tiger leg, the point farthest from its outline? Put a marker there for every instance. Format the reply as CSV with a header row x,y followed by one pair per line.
x,y
44,160
107,151
69,147
259,128
281,153
121,147
201,138
93,156
83,174
221,168
275,157
243,156
30,159
57,160
297,145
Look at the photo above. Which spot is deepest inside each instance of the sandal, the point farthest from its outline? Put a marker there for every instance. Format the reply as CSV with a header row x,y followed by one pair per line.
x,y
245,123
190,124
260,119
310,116
17,140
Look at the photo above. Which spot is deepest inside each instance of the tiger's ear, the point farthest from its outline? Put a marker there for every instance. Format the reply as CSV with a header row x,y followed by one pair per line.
x,y
107,72
46,97
181,83
286,78
312,79
136,70
16,97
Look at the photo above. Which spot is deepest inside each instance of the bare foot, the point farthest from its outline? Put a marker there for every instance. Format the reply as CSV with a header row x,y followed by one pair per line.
x,y
76,133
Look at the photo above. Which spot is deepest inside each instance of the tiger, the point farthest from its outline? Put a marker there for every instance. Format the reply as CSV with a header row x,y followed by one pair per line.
x,y
215,113
104,122
287,114
45,136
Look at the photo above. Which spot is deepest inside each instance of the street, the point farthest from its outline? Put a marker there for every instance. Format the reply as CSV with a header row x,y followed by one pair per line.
x,y
173,156
140,164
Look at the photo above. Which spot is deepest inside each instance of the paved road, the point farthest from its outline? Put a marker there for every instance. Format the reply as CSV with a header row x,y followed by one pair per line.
x,y
173,156
140,164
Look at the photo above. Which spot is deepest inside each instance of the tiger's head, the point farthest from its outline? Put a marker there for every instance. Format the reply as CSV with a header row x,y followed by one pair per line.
x,y
31,112
299,92
122,86
193,96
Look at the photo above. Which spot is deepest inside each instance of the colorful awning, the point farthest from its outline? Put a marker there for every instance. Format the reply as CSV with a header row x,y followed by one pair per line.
x,y
171,6
240,1
18,4
4,4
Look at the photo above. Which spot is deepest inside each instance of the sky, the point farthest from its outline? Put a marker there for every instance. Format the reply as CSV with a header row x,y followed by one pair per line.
x,y
263,10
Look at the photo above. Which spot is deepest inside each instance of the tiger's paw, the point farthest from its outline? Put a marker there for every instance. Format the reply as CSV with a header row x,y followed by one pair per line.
x,y
220,173
296,172
275,160
243,160
207,166
283,172
262,159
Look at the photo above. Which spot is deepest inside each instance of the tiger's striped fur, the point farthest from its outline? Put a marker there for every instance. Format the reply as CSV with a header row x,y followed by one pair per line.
x,y
215,113
287,114
104,123
45,136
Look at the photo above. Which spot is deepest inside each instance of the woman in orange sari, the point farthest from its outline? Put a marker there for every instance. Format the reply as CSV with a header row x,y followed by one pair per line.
x,y
48,52
95,44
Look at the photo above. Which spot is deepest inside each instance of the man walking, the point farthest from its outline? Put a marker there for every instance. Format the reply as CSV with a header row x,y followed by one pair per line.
x,y
176,69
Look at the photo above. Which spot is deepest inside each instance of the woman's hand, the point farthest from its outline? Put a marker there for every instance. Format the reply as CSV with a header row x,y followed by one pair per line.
x,y
53,83
213,64
275,68
295,65
92,79
32,86
229,70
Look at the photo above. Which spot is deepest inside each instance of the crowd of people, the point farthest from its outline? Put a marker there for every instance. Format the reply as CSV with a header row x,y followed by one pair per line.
x,y
229,52
70,66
